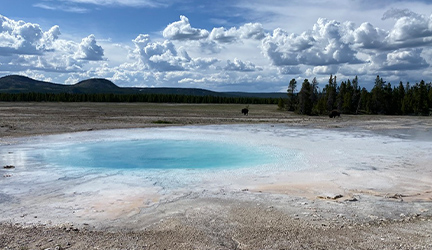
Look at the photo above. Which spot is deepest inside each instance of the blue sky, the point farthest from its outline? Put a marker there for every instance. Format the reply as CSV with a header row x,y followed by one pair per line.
x,y
219,45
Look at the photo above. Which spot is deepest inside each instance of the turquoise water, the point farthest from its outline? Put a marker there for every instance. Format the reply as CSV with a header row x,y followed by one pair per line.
x,y
154,154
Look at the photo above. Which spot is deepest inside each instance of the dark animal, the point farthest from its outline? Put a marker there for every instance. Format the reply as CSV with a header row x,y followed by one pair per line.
x,y
334,113
245,111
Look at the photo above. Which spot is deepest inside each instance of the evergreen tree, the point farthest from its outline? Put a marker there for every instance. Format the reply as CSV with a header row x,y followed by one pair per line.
x,y
430,97
420,99
291,95
398,96
305,101
407,100
356,94
331,93
314,92
340,97
388,107
364,101
376,105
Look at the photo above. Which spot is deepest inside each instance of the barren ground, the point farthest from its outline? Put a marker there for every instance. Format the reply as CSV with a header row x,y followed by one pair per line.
x,y
281,217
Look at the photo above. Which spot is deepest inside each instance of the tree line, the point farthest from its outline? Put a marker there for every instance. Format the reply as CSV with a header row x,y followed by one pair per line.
x,y
156,98
350,98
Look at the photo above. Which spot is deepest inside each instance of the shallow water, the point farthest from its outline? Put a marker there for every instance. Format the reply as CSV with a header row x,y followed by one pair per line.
x,y
152,154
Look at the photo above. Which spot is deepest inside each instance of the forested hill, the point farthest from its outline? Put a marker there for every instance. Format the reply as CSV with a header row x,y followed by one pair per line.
x,y
15,84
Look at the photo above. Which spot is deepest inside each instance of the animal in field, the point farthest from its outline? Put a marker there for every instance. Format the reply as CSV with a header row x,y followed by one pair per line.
x,y
245,111
334,113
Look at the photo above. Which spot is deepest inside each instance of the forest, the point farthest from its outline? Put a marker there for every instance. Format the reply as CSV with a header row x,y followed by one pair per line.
x,y
110,97
349,98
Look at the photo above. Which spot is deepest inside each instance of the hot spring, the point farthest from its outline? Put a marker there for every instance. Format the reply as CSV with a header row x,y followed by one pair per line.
x,y
154,150
154,154
114,173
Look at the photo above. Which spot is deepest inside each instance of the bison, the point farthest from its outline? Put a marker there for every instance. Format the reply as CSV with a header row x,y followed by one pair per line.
x,y
334,113
245,111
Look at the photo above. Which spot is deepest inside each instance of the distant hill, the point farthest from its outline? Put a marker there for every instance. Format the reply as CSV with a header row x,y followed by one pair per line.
x,y
23,84
97,85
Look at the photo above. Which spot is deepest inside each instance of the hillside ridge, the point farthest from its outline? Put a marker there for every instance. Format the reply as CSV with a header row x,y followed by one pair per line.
x,y
23,84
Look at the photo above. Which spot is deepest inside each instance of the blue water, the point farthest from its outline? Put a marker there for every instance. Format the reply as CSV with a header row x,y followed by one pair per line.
x,y
154,154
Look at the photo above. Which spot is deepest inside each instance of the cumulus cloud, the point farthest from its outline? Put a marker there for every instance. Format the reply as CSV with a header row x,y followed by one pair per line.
x,y
202,63
323,45
252,30
331,44
238,65
405,59
289,70
25,46
89,50
325,70
190,55
247,31
368,37
223,35
278,49
165,56
182,30
19,37
159,56
411,30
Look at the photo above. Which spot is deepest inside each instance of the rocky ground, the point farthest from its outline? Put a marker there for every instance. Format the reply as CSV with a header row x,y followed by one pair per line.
x,y
247,219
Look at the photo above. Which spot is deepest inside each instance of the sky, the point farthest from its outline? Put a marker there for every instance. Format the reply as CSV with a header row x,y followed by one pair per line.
x,y
242,45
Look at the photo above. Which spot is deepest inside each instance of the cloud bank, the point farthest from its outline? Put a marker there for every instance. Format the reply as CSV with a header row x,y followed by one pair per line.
x,y
248,56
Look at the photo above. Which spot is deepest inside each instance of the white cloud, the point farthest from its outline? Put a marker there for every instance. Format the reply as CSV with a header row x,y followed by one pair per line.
x,y
411,30
89,50
223,35
325,70
61,7
164,56
197,57
182,30
159,56
252,30
202,63
25,46
323,45
238,65
289,70
233,34
19,37
368,37
405,59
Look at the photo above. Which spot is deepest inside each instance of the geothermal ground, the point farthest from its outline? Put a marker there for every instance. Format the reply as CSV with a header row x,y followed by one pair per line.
x,y
355,182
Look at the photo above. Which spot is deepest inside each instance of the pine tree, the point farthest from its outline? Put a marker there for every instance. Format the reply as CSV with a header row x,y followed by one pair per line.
x,y
376,104
291,95
331,93
420,99
305,101
407,100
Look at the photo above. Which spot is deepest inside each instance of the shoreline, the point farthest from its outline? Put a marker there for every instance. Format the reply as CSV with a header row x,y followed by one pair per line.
x,y
270,217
